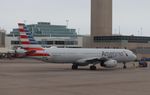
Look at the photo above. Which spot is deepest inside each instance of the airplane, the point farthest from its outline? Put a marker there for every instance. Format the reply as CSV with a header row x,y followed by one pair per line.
x,y
107,58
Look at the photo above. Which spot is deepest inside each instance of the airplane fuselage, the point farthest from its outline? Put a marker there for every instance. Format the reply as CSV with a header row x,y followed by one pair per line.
x,y
70,55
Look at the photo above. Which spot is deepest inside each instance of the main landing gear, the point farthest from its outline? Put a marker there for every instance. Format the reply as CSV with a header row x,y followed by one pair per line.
x,y
74,66
124,65
93,67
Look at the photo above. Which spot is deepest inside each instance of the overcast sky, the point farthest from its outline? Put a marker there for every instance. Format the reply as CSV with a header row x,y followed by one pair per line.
x,y
132,16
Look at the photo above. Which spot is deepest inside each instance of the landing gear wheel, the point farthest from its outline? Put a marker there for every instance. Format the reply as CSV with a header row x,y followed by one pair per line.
x,y
92,67
74,67
124,66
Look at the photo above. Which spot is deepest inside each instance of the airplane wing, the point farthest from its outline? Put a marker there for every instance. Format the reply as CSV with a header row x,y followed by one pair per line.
x,y
93,60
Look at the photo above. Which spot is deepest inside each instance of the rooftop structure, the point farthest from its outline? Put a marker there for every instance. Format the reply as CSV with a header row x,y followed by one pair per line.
x,y
45,29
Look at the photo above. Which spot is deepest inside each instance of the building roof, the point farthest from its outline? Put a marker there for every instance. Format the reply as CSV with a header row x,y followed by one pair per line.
x,y
135,39
46,29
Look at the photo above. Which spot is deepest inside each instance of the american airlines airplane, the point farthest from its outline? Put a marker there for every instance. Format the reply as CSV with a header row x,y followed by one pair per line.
x,y
108,58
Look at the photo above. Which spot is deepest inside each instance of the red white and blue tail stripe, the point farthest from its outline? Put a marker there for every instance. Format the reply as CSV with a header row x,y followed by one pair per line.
x,y
29,43
26,36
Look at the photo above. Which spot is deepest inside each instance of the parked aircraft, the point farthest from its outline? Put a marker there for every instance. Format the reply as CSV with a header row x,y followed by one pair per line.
x,y
108,58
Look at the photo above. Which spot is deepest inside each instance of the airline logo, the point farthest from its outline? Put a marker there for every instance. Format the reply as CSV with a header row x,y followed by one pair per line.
x,y
29,43
25,35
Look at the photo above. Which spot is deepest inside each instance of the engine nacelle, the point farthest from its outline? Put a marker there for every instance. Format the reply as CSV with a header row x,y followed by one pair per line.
x,y
109,64
20,52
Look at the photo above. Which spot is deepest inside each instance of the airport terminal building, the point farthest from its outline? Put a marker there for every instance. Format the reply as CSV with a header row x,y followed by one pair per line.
x,y
121,41
138,44
47,35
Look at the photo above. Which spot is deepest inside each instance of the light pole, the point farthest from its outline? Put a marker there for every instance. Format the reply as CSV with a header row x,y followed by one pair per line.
x,y
67,23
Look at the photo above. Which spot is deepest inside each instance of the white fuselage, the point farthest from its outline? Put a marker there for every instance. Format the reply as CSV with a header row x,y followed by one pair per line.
x,y
70,55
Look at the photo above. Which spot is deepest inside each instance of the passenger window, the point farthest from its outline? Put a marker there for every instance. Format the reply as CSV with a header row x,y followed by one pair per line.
x,y
126,53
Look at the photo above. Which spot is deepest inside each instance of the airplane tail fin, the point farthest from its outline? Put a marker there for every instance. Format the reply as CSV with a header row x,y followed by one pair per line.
x,y
26,37
29,44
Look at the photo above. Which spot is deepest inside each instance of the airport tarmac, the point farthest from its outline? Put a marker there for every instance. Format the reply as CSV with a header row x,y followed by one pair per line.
x,y
32,77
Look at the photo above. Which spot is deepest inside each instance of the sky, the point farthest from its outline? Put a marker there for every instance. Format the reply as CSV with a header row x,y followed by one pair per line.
x,y
130,17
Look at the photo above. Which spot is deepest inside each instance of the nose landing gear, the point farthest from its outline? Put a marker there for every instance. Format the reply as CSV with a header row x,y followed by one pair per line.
x,y
74,66
93,67
124,65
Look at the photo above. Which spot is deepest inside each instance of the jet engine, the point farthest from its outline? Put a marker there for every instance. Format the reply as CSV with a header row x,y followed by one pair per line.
x,y
109,64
